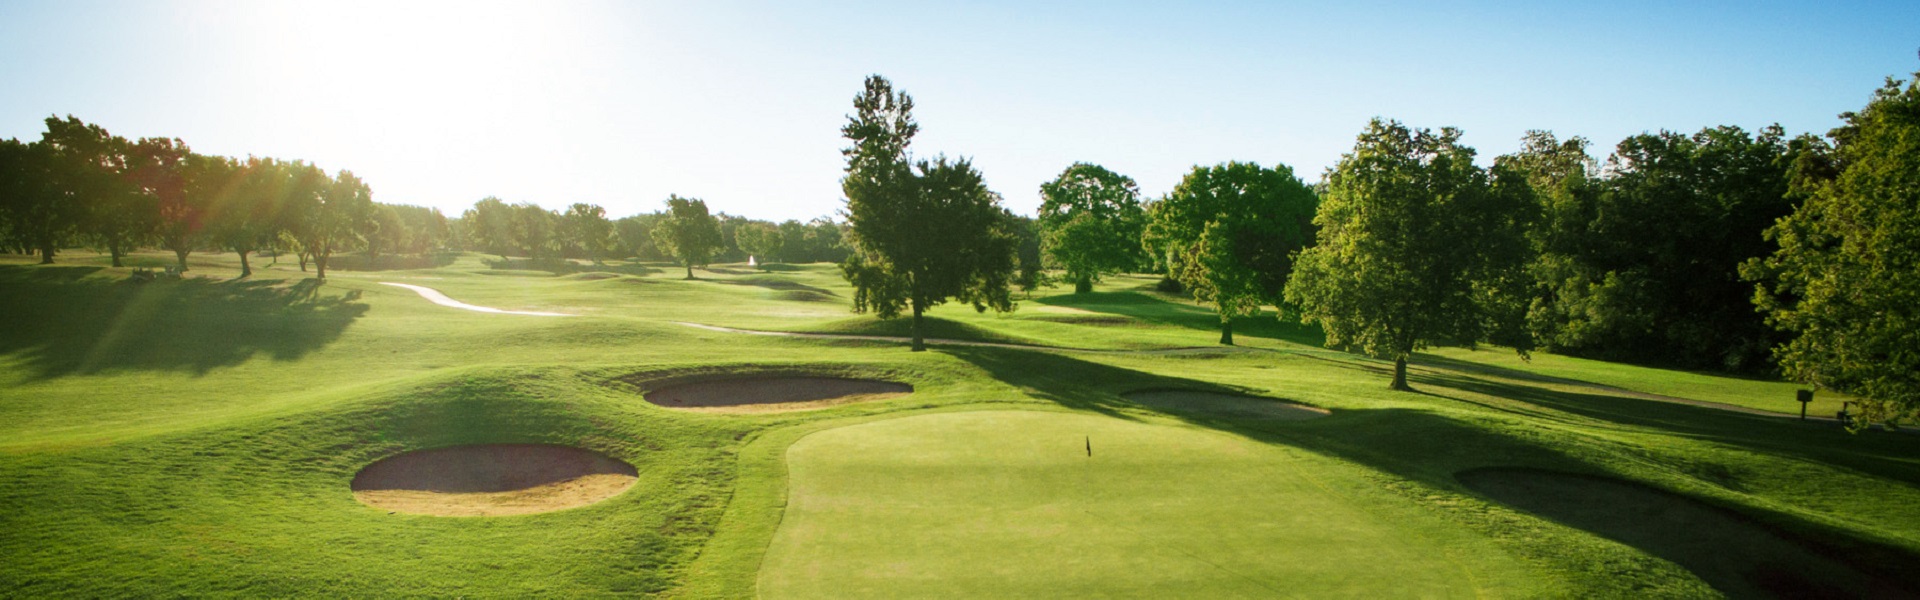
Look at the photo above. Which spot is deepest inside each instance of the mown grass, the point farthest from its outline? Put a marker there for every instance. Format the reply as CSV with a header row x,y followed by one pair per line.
x,y
197,437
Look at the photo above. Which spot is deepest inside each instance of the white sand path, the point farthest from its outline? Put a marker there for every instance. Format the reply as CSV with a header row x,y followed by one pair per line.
x,y
434,296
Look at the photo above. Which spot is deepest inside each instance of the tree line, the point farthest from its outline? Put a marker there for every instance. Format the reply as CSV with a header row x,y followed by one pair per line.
x,y
80,185
1722,249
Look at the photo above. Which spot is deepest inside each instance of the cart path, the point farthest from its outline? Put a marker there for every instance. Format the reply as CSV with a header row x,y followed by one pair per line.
x,y
434,296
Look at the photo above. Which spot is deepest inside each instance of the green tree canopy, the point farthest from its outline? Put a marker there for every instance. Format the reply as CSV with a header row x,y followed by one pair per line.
x,y
688,232
759,239
1228,234
1091,222
1845,280
1416,247
1639,261
922,233
586,230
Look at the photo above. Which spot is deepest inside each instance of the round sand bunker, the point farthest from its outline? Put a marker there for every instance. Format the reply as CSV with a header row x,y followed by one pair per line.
x,y
768,394
491,480
1216,404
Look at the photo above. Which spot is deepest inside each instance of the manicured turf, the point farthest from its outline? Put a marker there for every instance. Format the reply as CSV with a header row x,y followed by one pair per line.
x,y
199,437
1008,504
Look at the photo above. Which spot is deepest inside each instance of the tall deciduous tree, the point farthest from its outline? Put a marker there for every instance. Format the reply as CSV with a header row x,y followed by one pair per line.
x,y
489,226
40,215
1228,234
1091,222
245,201
586,229
1845,280
330,214
688,232
1416,247
922,233
759,239
161,169
91,168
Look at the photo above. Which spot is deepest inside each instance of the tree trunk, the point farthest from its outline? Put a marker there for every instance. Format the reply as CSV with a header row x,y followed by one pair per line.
x,y
1400,375
46,254
689,270
303,261
182,254
114,251
919,342
1226,331
245,269
1083,285
320,266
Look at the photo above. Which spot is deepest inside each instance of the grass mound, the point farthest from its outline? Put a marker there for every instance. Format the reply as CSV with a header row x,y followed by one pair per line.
x,y
1732,553
1216,404
491,480
770,393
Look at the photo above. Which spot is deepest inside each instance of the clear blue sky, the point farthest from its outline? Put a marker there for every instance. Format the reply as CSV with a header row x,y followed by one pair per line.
x,y
622,103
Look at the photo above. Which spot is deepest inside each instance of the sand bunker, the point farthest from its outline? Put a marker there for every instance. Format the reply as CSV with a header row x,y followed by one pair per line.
x,y
1225,405
491,480
770,394
1729,551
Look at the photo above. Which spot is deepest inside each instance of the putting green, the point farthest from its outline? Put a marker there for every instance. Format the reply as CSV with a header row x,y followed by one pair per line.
x,y
1009,504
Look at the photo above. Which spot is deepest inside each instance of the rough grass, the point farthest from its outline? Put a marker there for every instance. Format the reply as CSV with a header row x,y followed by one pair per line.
x,y
198,438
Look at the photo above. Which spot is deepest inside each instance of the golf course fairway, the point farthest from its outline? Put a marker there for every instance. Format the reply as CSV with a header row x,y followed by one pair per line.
x,y
1008,503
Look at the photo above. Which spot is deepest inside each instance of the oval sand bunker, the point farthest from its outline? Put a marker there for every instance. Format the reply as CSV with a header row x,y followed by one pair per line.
x,y
768,394
1225,405
491,480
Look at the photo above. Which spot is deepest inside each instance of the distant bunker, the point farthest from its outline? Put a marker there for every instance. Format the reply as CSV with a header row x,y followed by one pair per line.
x,y
491,480
1735,554
1232,406
770,393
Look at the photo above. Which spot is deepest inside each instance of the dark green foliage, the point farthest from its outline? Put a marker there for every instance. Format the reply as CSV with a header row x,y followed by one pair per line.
x,y
1091,222
1639,261
1845,280
688,232
1417,246
1229,232
924,233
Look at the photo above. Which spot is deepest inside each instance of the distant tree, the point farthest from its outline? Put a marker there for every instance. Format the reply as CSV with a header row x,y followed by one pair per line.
x,y
384,232
586,229
688,232
922,234
794,246
1228,234
91,169
1843,281
635,237
1639,261
827,241
245,201
489,226
534,230
1415,245
40,215
427,229
1029,256
330,214
1091,222
160,169
761,239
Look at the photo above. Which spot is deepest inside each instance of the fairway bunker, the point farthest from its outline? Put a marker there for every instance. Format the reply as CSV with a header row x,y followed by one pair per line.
x,y
769,393
1216,404
1731,552
491,480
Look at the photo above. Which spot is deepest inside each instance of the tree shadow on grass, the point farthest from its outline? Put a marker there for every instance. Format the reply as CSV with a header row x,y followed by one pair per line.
x,y
63,322
1147,308
1746,544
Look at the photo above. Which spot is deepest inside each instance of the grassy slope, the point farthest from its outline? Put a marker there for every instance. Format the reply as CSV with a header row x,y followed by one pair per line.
x,y
198,436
